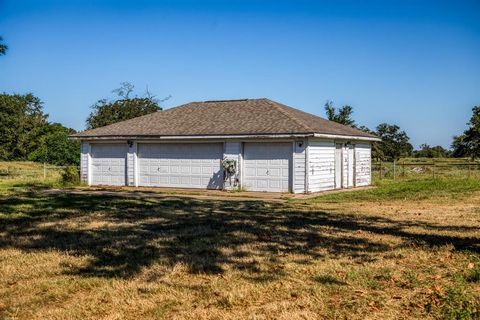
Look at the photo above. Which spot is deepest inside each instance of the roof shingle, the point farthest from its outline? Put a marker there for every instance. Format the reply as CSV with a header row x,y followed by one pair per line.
x,y
224,117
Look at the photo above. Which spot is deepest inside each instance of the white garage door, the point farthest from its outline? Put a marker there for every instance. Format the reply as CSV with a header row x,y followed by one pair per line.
x,y
267,166
108,164
183,165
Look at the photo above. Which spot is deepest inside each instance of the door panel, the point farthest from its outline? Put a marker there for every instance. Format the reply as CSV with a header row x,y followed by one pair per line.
x,y
181,165
267,166
108,164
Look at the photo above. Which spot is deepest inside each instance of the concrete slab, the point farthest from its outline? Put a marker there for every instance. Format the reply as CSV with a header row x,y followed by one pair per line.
x,y
144,192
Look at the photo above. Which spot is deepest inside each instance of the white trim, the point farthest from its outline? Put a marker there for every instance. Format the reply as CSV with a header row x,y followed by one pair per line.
x,y
89,164
241,165
243,136
335,136
135,163
307,165
291,169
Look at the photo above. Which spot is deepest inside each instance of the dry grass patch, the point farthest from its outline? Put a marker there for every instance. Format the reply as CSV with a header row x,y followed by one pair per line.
x,y
89,257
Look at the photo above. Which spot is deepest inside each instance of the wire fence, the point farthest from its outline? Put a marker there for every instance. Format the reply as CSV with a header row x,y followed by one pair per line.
x,y
403,169
29,171
408,169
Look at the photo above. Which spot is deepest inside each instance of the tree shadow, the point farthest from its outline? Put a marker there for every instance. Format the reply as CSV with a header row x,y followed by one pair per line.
x,y
207,236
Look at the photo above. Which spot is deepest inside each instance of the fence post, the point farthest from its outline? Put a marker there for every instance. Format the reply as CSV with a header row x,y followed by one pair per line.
x,y
380,169
44,171
394,169
403,168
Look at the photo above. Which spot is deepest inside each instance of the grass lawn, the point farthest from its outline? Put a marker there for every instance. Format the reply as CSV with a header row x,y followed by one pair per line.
x,y
406,250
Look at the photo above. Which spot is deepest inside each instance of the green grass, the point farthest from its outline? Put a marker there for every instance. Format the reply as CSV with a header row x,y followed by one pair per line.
x,y
422,168
29,175
386,190
88,256
348,255
458,303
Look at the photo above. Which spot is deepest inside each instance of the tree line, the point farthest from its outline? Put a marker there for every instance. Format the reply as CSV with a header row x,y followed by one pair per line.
x,y
396,143
26,133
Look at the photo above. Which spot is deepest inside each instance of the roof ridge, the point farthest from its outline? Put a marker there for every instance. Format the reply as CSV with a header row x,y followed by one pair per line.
x,y
224,100
279,107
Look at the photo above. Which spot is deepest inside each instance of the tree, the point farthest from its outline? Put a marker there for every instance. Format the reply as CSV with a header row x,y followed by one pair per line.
x,y
3,47
459,147
468,144
377,151
343,116
427,151
26,134
106,112
54,146
395,143
21,121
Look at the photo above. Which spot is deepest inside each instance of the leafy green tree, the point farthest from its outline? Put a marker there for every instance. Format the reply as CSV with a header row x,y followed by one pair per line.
x,y
395,142
21,122
106,112
459,147
3,47
427,151
55,147
26,134
343,116
377,151
468,144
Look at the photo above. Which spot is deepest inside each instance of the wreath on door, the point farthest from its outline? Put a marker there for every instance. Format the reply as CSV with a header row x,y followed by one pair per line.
x,y
229,167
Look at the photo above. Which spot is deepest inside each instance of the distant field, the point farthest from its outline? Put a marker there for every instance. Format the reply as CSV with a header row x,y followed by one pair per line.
x,y
426,168
22,173
408,249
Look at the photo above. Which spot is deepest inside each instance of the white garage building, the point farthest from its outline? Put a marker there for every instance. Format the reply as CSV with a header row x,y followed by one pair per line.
x,y
273,148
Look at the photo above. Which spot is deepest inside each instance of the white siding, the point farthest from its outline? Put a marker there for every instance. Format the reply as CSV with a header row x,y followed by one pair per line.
x,y
312,166
299,162
233,151
363,164
321,167
84,153
131,154
345,166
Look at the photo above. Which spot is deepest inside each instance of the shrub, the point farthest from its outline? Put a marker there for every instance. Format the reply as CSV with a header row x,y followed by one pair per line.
x,y
71,175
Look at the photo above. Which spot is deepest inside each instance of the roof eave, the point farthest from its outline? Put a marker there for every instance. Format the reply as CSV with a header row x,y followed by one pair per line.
x,y
191,137
346,137
226,136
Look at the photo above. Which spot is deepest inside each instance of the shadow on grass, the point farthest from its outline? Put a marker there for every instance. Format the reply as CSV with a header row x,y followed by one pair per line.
x,y
329,280
123,235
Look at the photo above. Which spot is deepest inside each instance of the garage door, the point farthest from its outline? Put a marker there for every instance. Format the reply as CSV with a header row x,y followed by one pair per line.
x,y
108,164
267,166
185,165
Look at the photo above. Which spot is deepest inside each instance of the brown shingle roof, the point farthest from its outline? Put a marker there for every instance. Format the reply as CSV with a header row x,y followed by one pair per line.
x,y
224,117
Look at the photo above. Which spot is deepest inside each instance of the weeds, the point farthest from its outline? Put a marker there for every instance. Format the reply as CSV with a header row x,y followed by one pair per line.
x,y
458,304
388,190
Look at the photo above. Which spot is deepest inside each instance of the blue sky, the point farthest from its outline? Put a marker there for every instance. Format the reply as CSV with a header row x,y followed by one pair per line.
x,y
412,63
